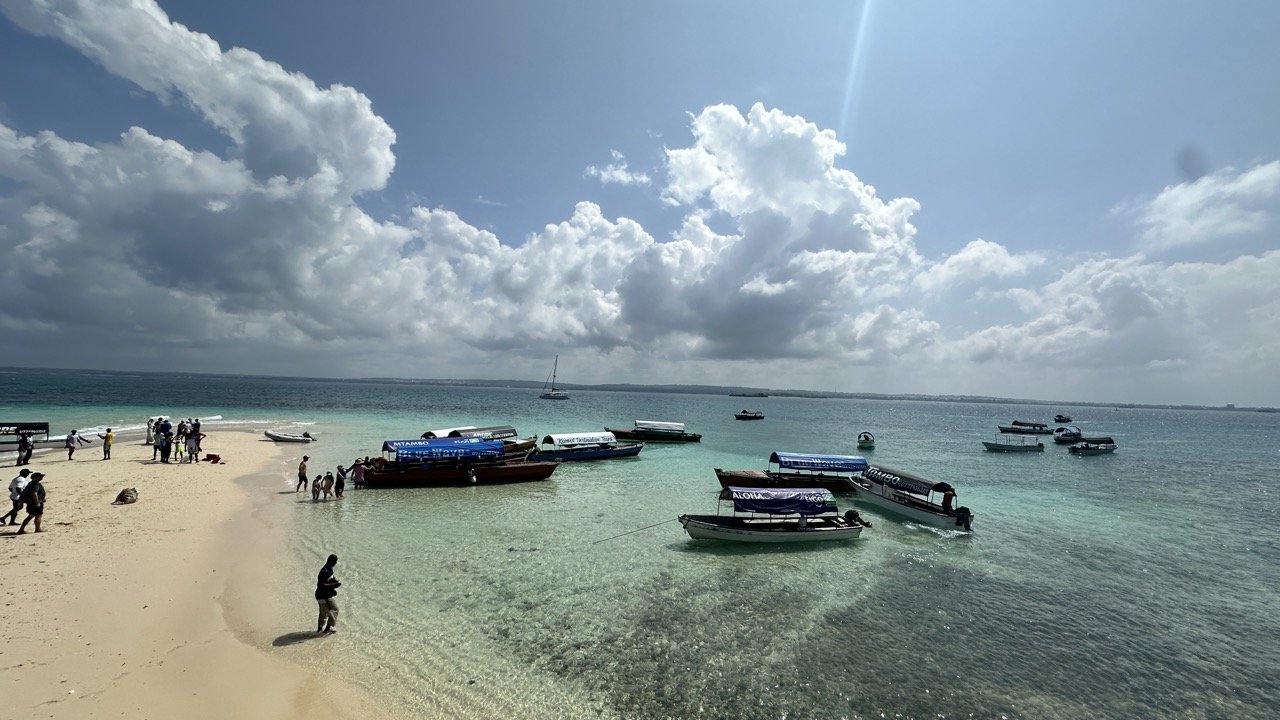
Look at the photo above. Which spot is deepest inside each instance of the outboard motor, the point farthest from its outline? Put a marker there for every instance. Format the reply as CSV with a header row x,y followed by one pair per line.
x,y
852,517
965,518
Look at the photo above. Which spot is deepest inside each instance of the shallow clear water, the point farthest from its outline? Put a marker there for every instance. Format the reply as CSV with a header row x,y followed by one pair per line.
x,y
1142,584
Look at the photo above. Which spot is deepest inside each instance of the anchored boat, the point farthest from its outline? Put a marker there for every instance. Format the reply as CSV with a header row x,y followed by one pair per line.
x,y
450,461
584,446
799,470
775,515
1013,443
656,431
911,496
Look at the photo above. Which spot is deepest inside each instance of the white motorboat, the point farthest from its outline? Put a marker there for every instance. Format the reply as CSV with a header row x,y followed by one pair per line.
x,y
911,496
776,515
1093,446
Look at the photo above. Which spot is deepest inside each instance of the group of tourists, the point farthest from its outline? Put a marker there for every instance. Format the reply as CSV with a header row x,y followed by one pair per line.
x,y
181,442
26,490
330,484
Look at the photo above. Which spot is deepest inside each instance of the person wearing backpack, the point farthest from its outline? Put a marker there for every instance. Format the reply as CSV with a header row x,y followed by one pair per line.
x,y
33,497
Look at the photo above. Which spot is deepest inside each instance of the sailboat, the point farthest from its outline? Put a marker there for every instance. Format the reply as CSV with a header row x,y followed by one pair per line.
x,y
549,389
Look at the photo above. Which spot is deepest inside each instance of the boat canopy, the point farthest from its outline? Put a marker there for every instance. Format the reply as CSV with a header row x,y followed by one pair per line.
x,y
441,448
659,425
780,501
1029,423
444,432
493,432
831,463
1098,440
904,481
580,439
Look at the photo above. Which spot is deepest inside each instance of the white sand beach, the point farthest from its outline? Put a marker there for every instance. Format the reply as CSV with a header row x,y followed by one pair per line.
x,y
167,607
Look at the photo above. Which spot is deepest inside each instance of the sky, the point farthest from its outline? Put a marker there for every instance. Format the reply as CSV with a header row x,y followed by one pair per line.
x,y
1059,201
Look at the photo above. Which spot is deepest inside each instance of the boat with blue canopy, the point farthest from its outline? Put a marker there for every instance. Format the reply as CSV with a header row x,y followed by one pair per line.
x,y
422,462
584,446
911,496
514,445
775,515
802,470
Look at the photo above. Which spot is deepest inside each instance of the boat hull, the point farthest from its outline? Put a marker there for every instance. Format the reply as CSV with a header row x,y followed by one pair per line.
x,y
287,437
653,435
591,453
1077,450
761,478
417,475
755,530
1024,430
1006,447
912,509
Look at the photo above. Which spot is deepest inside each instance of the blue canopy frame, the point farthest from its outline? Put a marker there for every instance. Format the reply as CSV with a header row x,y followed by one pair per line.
x,y
454,448
781,501
819,463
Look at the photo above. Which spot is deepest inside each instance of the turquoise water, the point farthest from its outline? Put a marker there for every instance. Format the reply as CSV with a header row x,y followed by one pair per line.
x,y
1142,584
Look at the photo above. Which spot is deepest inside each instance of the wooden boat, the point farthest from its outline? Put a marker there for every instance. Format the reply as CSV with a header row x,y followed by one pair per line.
x,y
910,496
749,415
289,437
656,431
866,441
1023,427
1093,446
549,389
1062,418
451,461
1014,443
798,470
584,446
775,515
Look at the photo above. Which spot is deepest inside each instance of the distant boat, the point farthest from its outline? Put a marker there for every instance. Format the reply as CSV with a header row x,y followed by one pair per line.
x,y
656,431
1094,446
749,415
1023,427
1062,418
866,441
1014,443
549,389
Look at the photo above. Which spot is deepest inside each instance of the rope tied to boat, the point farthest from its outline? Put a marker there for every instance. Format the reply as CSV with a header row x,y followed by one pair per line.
x,y
646,527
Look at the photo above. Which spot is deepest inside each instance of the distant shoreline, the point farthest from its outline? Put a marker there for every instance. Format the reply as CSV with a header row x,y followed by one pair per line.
x,y
728,390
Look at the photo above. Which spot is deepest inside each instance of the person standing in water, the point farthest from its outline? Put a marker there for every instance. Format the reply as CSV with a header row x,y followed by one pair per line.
x,y
326,589
302,474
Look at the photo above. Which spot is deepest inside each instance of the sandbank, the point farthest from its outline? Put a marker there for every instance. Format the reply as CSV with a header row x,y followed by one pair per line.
x,y
167,607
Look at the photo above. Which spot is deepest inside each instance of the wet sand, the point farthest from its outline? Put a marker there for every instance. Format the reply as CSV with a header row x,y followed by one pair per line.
x,y
170,606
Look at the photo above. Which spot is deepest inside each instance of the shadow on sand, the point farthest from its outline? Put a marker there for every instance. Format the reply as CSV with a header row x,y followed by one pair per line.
x,y
294,638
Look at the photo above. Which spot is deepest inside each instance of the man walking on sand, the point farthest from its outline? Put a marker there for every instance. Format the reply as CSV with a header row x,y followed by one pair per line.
x,y
302,474
33,496
326,588
16,486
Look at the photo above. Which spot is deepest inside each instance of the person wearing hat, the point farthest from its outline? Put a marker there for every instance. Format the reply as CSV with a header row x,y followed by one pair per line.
x,y
33,496
16,486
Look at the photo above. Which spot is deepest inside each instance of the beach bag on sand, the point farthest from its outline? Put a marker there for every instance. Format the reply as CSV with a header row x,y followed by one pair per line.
x,y
126,496
215,459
